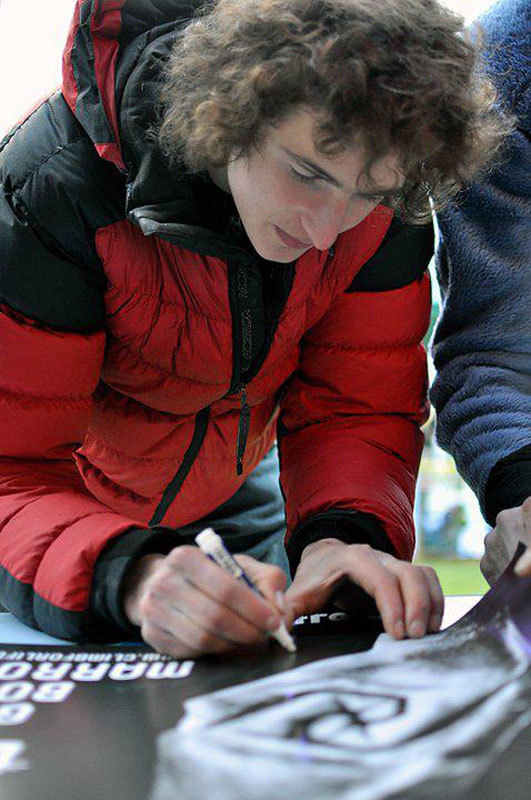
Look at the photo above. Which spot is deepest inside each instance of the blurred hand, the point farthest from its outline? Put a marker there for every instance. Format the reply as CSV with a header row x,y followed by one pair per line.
x,y
409,598
513,525
187,606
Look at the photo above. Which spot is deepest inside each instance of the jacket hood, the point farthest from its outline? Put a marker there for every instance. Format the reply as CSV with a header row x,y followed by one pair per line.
x,y
112,68
109,45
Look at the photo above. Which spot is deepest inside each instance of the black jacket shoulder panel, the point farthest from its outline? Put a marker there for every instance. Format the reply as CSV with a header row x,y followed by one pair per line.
x,y
402,258
55,192
52,170
40,283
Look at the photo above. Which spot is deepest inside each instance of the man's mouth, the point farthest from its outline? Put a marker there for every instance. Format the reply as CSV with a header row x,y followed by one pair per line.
x,y
291,241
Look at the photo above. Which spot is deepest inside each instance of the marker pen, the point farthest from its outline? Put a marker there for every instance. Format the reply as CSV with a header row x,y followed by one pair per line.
x,y
213,546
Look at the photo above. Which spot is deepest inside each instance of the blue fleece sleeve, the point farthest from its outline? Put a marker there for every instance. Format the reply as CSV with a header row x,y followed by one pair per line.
x,y
482,345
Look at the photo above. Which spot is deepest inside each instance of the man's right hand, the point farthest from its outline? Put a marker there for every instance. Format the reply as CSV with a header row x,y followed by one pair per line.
x,y
187,606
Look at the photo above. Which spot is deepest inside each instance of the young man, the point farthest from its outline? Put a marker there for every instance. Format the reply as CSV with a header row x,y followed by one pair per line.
x,y
187,274
482,347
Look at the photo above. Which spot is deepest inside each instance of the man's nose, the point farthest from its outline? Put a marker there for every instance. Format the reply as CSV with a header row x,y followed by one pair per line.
x,y
324,222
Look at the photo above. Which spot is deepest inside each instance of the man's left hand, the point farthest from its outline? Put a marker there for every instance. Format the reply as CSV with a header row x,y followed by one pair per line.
x,y
409,598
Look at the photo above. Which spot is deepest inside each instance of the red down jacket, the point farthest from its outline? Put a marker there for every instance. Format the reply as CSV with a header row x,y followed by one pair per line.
x,y
126,361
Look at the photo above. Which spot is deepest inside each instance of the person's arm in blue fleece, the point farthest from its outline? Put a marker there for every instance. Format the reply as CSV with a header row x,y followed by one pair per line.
x,y
482,345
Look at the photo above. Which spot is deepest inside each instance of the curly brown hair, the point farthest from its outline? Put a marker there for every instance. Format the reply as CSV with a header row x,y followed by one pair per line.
x,y
397,76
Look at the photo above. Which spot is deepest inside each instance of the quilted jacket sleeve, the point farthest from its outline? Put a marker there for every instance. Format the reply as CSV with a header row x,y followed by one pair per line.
x,y
51,349
350,435
51,529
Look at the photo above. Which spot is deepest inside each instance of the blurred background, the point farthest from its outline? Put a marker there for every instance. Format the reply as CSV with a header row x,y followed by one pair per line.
x,y
450,528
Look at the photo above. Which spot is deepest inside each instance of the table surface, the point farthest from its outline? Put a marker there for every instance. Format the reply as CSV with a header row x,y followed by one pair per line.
x,y
14,632
101,739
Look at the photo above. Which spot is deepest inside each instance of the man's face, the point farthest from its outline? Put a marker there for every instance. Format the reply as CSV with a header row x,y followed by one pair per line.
x,y
290,197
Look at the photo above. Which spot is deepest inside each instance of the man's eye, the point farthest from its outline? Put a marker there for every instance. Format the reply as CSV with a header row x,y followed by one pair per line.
x,y
303,177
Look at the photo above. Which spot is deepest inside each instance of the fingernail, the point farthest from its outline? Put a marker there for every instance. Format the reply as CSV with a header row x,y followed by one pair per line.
x,y
416,629
523,565
399,629
281,601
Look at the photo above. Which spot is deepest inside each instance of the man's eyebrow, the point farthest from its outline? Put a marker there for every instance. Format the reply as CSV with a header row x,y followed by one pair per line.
x,y
306,162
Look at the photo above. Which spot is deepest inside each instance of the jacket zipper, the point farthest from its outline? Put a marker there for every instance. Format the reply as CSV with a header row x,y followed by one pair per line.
x,y
212,245
243,429
242,350
243,332
200,427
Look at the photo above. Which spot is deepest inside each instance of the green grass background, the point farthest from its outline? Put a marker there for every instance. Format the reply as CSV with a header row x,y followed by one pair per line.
x,y
457,576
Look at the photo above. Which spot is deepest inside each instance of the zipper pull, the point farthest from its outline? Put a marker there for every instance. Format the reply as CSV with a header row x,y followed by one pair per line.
x,y
243,430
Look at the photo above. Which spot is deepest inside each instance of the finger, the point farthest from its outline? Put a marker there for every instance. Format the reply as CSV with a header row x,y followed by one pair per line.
x,y
197,620
510,526
314,585
526,517
526,506
436,599
416,595
214,582
523,565
296,602
496,556
186,644
213,619
161,614
381,583
269,579
164,642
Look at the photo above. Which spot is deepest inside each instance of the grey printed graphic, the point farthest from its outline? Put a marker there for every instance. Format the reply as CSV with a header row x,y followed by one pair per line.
x,y
421,719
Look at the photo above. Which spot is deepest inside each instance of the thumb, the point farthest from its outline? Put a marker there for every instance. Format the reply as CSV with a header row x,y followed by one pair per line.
x,y
269,579
298,600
